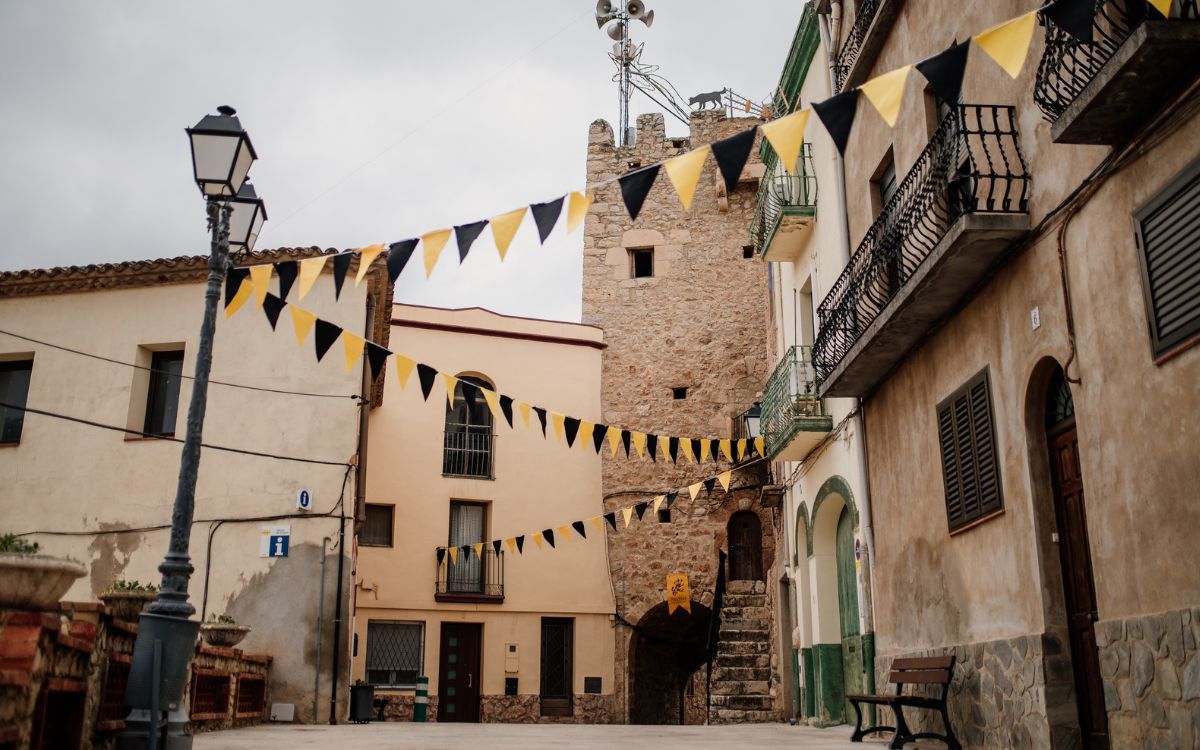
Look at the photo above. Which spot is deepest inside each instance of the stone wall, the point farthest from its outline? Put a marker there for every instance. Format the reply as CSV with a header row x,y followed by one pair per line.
x,y
1151,673
513,709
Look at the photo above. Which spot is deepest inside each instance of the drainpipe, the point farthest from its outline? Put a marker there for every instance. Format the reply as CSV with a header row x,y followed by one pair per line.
x,y
320,627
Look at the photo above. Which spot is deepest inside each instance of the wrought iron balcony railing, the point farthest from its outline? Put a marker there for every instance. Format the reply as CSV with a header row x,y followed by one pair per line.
x,y
1068,65
972,164
779,192
472,578
851,48
468,451
790,403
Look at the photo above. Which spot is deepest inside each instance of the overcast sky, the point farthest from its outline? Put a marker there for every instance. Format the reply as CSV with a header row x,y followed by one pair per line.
x,y
373,122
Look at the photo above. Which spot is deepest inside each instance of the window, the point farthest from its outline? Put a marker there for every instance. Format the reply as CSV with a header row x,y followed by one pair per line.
x,y
395,652
664,515
885,181
680,393
1168,238
468,438
14,389
967,437
468,525
162,398
641,263
748,251
377,526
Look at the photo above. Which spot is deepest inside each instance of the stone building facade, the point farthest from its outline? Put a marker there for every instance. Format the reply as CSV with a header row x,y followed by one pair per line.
x,y
685,356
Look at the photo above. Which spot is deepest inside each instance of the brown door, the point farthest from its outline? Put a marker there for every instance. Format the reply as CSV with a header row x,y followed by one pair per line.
x,y
1078,585
558,657
458,675
745,547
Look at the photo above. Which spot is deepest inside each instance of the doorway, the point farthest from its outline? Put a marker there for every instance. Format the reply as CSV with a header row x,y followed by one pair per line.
x,y
558,657
745,547
1079,588
847,585
458,672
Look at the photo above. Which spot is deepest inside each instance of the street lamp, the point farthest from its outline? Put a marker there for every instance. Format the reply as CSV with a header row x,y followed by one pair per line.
x,y
752,421
166,639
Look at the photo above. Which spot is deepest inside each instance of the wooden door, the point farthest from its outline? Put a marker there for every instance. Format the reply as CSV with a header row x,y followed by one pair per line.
x,y
853,681
1078,584
558,666
459,673
745,547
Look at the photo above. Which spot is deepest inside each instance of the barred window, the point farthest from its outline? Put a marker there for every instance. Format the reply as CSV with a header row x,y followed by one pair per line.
x,y
967,438
395,652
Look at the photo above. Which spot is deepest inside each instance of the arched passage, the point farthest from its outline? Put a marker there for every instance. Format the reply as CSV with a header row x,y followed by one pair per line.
x,y
665,651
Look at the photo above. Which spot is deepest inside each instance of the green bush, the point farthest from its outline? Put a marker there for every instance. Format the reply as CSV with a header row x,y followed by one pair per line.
x,y
222,619
14,543
122,586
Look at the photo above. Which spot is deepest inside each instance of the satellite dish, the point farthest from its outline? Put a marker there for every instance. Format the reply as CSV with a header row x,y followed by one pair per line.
x,y
614,31
635,9
648,19
604,13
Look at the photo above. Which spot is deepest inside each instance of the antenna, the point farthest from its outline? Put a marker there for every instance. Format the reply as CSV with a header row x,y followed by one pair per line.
x,y
617,16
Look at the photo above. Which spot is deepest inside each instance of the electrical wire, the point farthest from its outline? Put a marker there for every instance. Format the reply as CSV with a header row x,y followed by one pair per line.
x,y
110,360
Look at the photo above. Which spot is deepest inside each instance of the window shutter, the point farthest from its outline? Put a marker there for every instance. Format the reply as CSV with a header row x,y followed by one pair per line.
x,y
954,498
1169,237
966,438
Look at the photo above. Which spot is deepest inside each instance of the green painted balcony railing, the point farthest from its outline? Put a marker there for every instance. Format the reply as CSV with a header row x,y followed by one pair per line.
x,y
784,201
793,418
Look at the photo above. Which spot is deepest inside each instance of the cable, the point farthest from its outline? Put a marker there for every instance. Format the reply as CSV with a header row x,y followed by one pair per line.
x,y
128,431
181,375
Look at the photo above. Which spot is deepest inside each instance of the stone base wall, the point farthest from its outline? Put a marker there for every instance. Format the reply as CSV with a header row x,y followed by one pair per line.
x,y
1151,673
513,709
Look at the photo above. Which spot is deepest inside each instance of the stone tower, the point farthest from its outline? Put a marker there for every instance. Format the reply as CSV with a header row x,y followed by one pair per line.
x,y
683,302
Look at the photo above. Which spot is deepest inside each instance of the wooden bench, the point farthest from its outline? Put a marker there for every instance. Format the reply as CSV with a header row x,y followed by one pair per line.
x,y
930,670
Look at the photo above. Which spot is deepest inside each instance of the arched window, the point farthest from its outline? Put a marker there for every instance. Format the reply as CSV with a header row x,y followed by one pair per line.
x,y
469,439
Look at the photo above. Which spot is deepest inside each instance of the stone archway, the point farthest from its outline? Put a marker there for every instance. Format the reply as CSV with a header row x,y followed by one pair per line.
x,y
665,652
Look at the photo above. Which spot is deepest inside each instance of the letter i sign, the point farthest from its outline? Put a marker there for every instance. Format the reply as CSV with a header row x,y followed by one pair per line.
x,y
274,541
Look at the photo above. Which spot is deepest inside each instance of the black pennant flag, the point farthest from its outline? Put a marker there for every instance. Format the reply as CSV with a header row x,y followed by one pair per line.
x,y
671,498
578,526
709,484
470,392
325,334
376,356
652,446
612,520
506,403
466,234
673,449
399,254
233,282
696,449
635,186
427,375
837,114
1073,16
287,271
341,264
496,545
599,432
549,535
571,428
545,216
441,554
272,306
521,544
731,155
466,552
944,71
625,441
713,447
640,509
541,418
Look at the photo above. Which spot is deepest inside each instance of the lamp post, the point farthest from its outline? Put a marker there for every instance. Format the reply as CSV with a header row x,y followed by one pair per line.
x,y
166,639
752,421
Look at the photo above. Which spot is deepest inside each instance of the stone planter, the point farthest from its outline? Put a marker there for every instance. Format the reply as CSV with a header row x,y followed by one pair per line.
x,y
36,582
223,636
127,605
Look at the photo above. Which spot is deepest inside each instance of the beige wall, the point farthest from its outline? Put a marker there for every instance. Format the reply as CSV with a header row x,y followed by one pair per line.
x,y
67,477
538,484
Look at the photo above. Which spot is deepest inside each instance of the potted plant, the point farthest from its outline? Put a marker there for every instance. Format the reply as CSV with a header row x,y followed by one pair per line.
x,y
223,631
32,581
126,599
362,701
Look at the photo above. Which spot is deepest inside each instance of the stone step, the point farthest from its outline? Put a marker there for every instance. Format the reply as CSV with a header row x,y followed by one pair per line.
x,y
734,716
737,687
735,635
742,674
740,624
742,661
743,702
742,647
744,600
745,613
746,587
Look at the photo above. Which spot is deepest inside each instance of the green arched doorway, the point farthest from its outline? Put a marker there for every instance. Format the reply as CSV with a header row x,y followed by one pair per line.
x,y
847,585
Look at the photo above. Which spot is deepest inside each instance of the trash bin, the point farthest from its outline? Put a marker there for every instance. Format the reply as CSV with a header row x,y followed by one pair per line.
x,y
362,699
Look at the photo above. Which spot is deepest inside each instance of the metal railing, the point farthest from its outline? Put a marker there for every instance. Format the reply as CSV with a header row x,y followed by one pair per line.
x,y
789,397
973,163
480,575
864,14
1068,64
779,190
468,451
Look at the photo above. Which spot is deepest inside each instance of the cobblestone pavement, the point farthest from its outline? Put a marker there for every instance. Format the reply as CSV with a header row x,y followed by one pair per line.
x,y
379,736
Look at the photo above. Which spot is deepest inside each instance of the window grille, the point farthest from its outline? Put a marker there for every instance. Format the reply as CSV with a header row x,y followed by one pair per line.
x,y
395,652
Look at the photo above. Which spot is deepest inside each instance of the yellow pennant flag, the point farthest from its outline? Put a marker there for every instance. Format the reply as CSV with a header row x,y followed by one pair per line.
x,y
658,501
684,172
614,440
639,442
686,445
260,275
577,206
705,450
478,549
310,271
450,382
599,524
786,135
558,424
453,554
504,228
239,298
565,531
886,91
678,593
724,478
694,490
525,408
537,538
404,368
512,545
725,450
432,244
1164,7
1008,43
759,446
353,347
741,449
303,321
585,434
627,513
366,256
493,402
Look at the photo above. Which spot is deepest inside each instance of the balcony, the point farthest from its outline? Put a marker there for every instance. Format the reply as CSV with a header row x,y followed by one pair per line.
x,y
786,209
956,212
1101,92
473,579
872,20
793,418
467,451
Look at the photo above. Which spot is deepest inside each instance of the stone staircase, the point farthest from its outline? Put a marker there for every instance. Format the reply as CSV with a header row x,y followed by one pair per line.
x,y
741,678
